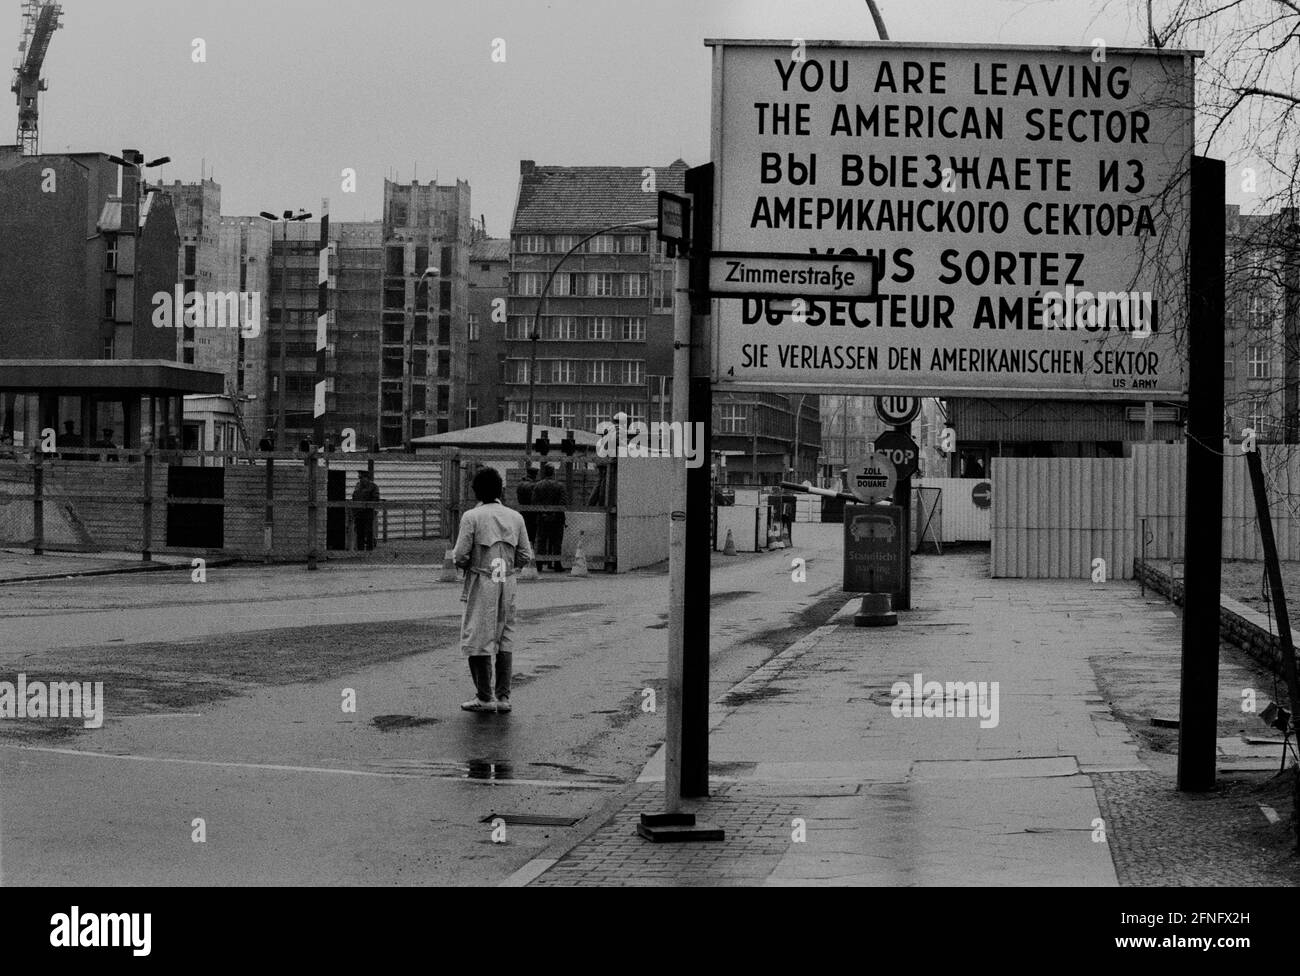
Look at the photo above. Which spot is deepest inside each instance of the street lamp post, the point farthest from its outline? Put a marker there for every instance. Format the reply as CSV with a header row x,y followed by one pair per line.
x,y
284,221
537,319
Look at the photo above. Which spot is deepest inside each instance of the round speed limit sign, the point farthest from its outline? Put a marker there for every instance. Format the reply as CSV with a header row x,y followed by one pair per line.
x,y
897,411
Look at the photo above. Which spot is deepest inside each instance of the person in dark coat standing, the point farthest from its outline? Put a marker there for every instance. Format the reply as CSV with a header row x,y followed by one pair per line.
x,y
550,525
524,492
366,491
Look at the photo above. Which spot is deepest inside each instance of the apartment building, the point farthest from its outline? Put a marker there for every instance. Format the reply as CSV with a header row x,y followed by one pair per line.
x,y
604,324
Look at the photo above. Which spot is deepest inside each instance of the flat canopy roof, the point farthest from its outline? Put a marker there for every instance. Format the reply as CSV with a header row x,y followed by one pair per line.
x,y
507,434
73,376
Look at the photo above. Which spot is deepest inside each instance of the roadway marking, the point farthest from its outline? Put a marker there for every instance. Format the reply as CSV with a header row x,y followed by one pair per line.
x,y
281,768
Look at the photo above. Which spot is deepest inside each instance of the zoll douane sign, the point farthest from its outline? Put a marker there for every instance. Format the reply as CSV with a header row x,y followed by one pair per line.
x,y
1026,209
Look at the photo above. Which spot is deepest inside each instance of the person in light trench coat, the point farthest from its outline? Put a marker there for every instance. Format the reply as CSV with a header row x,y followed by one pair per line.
x,y
492,546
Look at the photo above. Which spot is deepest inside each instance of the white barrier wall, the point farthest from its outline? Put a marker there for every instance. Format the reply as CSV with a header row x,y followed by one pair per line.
x,y
645,488
959,518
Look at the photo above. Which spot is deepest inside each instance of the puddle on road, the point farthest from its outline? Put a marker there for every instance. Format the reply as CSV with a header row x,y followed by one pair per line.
x,y
486,769
737,698
495,770
395,723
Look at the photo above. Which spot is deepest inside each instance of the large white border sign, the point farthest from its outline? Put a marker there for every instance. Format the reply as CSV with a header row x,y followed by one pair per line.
x,y
1027,209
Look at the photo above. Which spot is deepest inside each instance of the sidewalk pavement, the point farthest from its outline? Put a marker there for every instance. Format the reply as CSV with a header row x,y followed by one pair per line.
x,y
21,566
817,782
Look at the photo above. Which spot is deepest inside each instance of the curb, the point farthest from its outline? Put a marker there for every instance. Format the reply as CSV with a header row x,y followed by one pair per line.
x,y
599,817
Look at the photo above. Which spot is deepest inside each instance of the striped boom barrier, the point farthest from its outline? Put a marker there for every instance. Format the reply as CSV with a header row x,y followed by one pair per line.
x,y
322,323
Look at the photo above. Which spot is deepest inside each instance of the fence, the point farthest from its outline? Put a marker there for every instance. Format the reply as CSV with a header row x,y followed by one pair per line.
x,y
271,505
1053,516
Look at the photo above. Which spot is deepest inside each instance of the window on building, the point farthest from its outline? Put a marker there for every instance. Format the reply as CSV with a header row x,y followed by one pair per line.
x,y
633,372
394,332
733,419
471,368
110,303
599,326
563,327
471,411
106,350
444,365
110,252
599,372
420,331
1260,419
391,401
560,284
635,411
1259,365
191,259
187,355
517,327
529,282
472,328
447,262
1229,369
634,285
597,414
392,364
602,285
634,244
563,414
577,284
517,371
531,243
661,295
563,243
633,330
395,263
602,244
564,371
395,297
1259,313
444,329
421,258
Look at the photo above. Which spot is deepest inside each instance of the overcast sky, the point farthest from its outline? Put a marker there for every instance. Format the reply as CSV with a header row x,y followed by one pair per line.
x,y
293,91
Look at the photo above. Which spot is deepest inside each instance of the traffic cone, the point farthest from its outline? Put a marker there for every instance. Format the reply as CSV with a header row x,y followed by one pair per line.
x,y
529,572
579,560
729,547
449,574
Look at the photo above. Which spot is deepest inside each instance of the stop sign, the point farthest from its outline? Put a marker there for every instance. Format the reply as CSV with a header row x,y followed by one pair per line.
x,y
901,449
982,495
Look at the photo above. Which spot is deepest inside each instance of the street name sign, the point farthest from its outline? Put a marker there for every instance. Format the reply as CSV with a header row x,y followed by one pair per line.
x,y
1026,207
740,274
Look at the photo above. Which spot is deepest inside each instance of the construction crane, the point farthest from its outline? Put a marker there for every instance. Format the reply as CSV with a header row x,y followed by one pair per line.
x,y
40,21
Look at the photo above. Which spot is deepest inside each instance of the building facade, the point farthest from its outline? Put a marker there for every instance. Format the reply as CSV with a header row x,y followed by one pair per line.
x,y
426,239
604,342
489,288
766,438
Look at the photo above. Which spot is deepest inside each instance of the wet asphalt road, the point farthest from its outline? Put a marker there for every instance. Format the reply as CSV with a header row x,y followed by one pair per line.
x,y
225,714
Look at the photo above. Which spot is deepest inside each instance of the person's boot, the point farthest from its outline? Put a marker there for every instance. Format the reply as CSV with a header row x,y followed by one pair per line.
x,y
504,667
480,668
